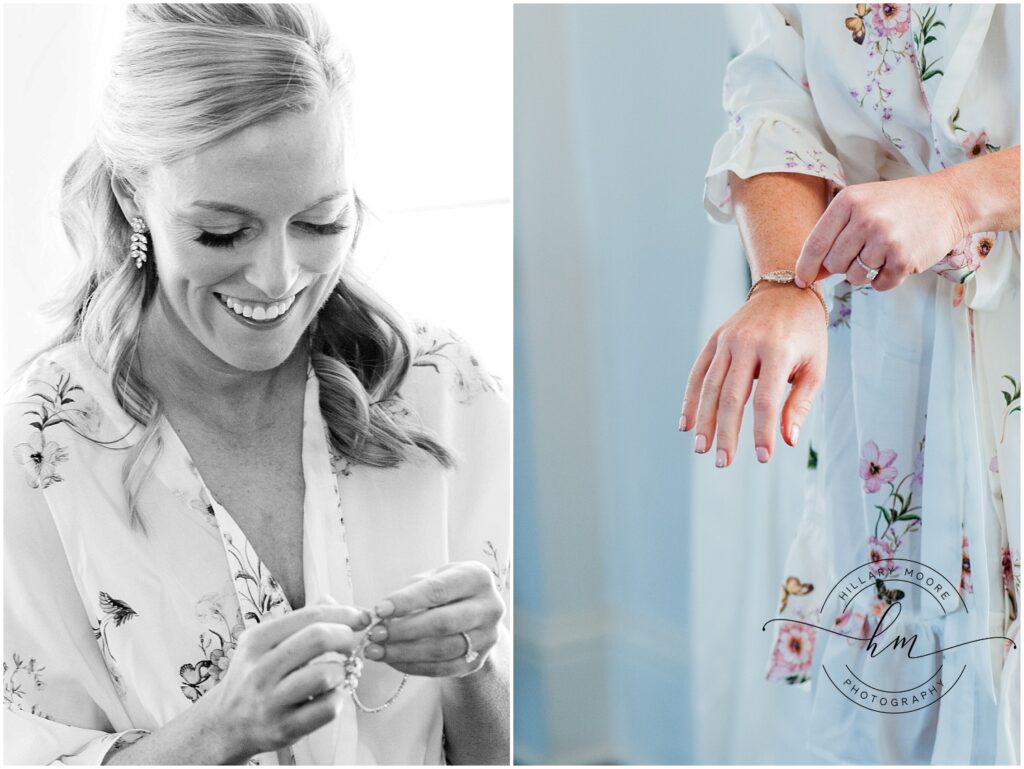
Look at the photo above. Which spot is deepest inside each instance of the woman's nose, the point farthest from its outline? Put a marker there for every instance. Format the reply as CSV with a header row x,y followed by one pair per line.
x,y
274,270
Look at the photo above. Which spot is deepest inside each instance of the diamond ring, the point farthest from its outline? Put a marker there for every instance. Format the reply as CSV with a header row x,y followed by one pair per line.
x,y
871,271
471,654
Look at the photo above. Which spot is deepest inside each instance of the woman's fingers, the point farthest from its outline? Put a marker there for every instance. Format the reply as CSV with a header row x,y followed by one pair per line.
x,y
310,680
691,399
873,255
446,620
771,386
806,382
844,250
438,649
446,585
307,644
269,634
313,714
731,401
821,240
707,411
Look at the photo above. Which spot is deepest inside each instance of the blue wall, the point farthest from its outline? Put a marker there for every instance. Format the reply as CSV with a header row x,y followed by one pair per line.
x,y
616,111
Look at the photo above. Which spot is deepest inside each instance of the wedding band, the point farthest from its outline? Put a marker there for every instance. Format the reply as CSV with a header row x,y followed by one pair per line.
x,y
471,653
871,271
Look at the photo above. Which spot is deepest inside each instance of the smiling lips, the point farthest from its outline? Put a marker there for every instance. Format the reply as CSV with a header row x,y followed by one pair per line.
x,y
257,311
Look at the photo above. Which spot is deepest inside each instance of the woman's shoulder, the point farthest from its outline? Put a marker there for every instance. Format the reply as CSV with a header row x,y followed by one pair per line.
x,y
444,364
60,399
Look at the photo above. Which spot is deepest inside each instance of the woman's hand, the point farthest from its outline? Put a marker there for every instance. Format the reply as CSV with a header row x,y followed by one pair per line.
x,y
275,690
775,337
426,619
900,227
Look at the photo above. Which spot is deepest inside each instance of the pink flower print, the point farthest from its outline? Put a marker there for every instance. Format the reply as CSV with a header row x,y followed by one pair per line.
x,y
890,19
982,248
975,145
877,608
40,458
918,478
1007,568
965,569
876,467
958,257
958,295
793,652
881,554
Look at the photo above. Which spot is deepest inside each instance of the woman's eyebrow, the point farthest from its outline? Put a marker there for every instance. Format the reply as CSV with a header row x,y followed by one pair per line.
x,y
230,208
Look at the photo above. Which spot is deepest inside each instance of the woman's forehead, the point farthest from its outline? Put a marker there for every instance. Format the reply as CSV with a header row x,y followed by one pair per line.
x,y
283,165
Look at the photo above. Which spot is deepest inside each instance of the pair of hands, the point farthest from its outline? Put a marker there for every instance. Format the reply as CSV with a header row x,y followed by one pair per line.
x,y
902,227
276,690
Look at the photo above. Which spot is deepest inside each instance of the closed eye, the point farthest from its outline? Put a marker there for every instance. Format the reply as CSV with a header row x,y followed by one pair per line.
x,y
216,240
334,228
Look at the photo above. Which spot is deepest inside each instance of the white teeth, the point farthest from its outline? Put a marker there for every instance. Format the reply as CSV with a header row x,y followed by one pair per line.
x,y
258,312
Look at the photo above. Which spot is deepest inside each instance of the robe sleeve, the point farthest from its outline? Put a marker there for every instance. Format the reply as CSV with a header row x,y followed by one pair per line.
x,y
60,702
475,426
480,488
773,123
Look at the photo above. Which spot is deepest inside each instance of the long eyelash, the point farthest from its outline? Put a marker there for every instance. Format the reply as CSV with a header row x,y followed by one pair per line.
x,y
213,240
334,228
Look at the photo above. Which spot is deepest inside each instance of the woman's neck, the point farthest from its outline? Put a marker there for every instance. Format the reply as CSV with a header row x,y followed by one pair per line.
x,y
183,373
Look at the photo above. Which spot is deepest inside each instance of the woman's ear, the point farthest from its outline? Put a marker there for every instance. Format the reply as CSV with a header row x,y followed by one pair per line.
x,y
125,194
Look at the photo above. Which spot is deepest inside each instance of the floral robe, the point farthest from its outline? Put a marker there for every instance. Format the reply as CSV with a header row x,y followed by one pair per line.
x,y
914,442
111,630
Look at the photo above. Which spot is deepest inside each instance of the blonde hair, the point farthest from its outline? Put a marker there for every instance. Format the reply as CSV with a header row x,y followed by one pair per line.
x,y
189,75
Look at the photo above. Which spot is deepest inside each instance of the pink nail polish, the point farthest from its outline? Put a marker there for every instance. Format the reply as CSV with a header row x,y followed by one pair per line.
x,y
799,282
721,458
762,454
700,443
684,424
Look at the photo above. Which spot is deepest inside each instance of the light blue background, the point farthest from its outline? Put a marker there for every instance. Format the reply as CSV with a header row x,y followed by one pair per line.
x,y
616,111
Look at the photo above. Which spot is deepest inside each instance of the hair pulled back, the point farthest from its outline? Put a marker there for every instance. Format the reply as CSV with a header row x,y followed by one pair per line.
x,y
189,75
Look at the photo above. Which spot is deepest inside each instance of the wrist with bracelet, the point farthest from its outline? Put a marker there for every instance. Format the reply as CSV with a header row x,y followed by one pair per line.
x,y
788,276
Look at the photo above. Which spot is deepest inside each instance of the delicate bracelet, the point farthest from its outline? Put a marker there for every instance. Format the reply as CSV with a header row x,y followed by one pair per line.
x,y
788,276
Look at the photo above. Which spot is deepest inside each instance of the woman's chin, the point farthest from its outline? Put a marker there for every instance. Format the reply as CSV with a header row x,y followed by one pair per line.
x,y
254,360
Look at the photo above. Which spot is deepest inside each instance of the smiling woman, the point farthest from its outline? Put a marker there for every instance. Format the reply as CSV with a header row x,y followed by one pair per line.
x,y
251,514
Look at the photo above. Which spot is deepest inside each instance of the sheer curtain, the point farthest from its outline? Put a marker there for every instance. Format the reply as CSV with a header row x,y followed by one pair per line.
x,y
743,519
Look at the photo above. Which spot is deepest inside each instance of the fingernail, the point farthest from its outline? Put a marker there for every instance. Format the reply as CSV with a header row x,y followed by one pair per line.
x,y
799,282
684,424
700,443
328,599
384,609
794,434
379,633
720,458
375,652
762,454
365,618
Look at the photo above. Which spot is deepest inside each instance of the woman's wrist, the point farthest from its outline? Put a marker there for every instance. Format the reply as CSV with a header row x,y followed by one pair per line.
x,y
983,193
193,737
810,294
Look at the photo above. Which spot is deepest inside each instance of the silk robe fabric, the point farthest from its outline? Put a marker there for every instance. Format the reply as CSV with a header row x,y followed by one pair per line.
x,y
927,87
111,630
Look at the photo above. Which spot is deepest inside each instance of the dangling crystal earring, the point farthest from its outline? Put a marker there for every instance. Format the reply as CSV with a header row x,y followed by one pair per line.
x,y
140,244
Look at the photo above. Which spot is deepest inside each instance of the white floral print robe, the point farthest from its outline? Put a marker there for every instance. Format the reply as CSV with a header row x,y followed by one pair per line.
x,y
862,93
112,630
